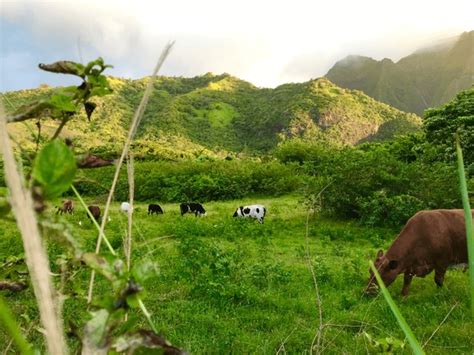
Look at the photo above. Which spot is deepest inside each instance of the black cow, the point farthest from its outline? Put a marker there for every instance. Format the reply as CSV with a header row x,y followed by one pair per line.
x,y
192,207
154,208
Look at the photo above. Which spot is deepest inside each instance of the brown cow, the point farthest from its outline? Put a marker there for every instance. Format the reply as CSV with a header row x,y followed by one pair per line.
x,y
95,212
430,240
67,207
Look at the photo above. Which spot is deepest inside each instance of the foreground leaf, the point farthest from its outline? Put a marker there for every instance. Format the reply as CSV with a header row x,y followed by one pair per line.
x,y
95,333
144,339
54,168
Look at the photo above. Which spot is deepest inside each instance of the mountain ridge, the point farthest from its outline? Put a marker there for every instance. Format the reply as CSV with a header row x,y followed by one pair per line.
x,y
211,113
429,77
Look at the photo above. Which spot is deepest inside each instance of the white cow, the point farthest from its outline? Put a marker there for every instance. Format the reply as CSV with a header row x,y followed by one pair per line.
x,y
253,211
125,207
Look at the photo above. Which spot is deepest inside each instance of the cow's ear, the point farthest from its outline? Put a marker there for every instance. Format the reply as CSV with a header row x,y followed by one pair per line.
x,y
380,253
393,264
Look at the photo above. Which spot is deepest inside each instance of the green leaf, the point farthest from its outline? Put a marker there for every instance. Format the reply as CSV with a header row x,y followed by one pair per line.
x,y
63,103
144,270
144,339
101,265
100,91
412,340
95,332
133,301
9,324
468,219
54,168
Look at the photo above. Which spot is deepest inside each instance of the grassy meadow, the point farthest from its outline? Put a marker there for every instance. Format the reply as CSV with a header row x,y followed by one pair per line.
x,y
233,285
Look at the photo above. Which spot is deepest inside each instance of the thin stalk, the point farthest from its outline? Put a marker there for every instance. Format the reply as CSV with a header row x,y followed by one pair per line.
x,y
317,336
60,128
112,251
133,127
35,253
131,192
440,324
147,315
415,345
13,329
468,218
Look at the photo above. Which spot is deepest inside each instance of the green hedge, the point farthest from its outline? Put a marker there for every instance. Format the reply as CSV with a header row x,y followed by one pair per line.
x,y
194,181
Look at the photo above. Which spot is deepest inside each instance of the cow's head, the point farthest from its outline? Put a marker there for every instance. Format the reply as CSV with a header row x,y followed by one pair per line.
x,y
388,270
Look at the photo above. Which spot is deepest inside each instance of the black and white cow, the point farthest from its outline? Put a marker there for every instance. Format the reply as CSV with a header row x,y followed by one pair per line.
x,y
192,207
253,211
154,208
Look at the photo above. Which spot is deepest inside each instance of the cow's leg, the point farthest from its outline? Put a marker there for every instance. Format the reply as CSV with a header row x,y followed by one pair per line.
x,y
439,276
407,277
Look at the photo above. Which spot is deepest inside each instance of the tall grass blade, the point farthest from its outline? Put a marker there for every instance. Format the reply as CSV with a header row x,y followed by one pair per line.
x,y
13,329
35,253
468,217
131,192
415,345
131,133
82,202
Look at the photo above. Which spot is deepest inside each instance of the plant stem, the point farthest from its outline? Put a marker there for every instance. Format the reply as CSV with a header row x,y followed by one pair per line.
x,y
147,315
131,191
60,128
112,251
133,127
35,253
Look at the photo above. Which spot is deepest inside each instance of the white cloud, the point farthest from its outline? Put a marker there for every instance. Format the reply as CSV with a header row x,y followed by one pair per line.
x,y
265,42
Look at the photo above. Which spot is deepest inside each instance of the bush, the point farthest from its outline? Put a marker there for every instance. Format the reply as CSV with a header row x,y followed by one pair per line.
x,y
379,183
195,180
381,210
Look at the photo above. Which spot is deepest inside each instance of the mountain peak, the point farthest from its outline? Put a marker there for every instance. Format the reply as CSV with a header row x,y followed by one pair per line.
x,y
429,77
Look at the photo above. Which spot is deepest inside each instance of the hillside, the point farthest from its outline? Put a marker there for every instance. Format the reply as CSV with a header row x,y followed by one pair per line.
x,y
211,113
427,78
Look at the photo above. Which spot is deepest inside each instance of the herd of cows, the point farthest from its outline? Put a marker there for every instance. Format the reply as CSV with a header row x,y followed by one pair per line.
x,y
257,212
430,240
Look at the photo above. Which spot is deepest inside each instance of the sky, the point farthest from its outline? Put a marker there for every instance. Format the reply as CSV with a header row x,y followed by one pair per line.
x,y
267,43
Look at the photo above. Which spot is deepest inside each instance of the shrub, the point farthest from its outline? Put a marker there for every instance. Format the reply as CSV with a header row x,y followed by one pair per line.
x,y
381,210
195,180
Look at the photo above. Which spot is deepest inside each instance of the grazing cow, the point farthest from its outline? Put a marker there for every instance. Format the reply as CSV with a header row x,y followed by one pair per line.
x,y
430,240
95,212
253,211
125,207
191,207
67,207
154,208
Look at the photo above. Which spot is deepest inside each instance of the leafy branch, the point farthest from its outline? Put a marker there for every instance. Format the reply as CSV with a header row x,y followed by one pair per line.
x,y
65,102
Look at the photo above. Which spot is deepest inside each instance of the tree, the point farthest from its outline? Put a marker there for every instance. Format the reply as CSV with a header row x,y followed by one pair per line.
x,y
441,124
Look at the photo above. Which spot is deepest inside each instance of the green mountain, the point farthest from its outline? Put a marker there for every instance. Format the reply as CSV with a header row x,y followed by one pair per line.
x,y
212,113
427,78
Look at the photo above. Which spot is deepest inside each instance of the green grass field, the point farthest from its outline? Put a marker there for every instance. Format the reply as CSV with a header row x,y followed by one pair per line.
x,y
231,285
